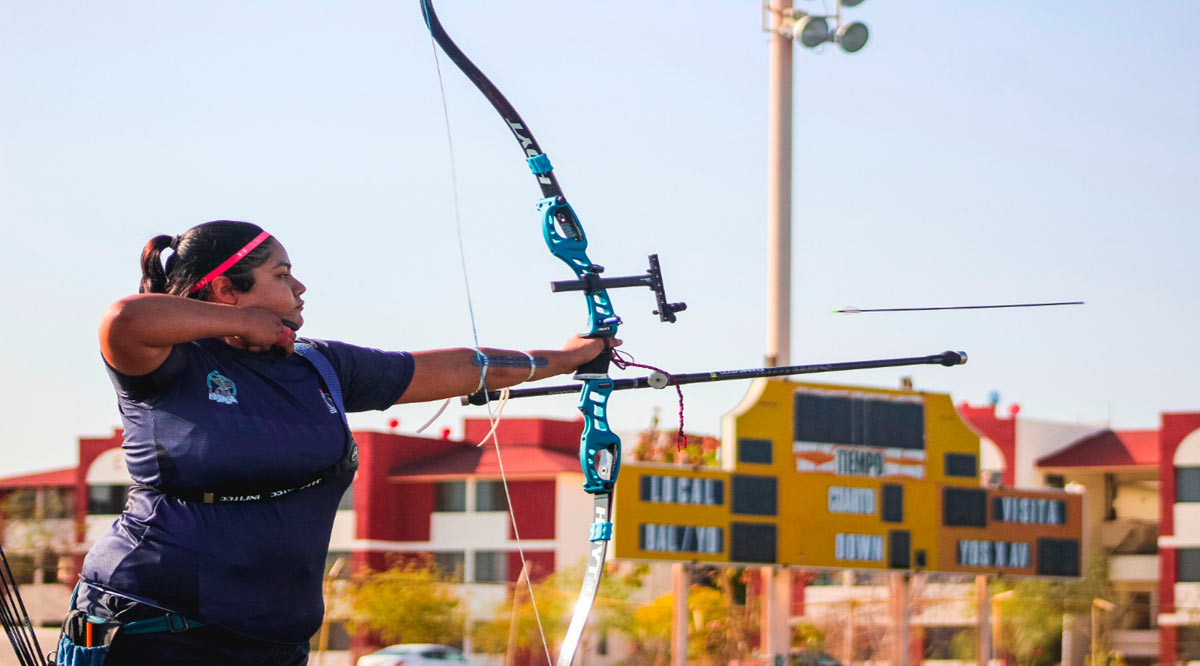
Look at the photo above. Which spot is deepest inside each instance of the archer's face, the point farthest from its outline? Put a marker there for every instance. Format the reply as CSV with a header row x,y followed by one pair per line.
x,y
275,288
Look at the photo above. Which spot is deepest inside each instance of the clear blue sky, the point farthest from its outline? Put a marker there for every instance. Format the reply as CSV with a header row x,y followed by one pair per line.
x,y
973,152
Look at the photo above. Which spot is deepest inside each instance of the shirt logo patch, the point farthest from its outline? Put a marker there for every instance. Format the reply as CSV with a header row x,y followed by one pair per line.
x,y
221,388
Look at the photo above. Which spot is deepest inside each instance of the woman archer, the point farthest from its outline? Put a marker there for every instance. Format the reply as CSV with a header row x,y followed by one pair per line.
x,y
236,439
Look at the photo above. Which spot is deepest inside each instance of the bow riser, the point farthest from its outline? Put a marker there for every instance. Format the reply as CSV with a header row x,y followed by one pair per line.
x,y
572,250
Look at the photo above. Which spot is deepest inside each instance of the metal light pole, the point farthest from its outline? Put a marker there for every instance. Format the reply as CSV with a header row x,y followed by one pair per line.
x,y
779,185
785,25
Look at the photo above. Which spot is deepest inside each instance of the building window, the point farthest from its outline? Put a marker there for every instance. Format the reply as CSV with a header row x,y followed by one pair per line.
x,y
491,566
1136,612
450,496
1187,484
107,499
1188,643
20,504
489,496
1055,481
449,565
1187,565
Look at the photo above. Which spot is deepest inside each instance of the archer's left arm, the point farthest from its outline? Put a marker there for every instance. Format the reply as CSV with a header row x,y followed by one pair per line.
x,y
447,373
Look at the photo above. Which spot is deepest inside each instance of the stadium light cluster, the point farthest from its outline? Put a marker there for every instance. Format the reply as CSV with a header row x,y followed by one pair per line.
x,y
812,30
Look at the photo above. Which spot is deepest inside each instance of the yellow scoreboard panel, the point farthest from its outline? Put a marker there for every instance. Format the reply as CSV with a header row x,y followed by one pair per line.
x,y
827,476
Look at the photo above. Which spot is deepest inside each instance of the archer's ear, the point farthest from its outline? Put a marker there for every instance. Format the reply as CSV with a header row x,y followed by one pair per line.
x,y
223,291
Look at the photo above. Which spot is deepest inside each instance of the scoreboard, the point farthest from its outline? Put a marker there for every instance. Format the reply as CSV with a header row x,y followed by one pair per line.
x,y
827,476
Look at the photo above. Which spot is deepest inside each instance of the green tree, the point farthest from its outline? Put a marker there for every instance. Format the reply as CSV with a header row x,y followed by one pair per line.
x,y
409,603
1032,617
808,636
719,629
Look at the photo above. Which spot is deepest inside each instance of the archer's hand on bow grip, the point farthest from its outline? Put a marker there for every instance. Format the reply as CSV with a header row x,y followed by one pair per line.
x,y
598,366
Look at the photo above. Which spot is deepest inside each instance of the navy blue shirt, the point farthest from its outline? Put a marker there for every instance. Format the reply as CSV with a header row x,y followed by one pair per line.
x,y
213,416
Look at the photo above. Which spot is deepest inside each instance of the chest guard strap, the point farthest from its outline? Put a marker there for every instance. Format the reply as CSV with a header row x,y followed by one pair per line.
x,y
347,465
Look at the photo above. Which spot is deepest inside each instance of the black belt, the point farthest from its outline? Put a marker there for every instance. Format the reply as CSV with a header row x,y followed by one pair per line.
x,y
241,495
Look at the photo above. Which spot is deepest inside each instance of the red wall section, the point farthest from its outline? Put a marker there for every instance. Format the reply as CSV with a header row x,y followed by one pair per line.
x,y
533,505
1166,604
547,433
387,510
541,564
90,448
1002,432
1174,428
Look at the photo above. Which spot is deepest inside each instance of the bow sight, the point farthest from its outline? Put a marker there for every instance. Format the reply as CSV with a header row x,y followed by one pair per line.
x,y
590,282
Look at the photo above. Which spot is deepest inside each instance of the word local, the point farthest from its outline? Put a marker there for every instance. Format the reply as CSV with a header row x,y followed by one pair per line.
x,y
682,490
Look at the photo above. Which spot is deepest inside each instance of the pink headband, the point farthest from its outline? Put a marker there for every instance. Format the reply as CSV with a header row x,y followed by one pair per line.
x,y
225,265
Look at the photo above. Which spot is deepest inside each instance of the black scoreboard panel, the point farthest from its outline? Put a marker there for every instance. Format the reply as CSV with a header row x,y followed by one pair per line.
x,y
753,543
861,421
755,495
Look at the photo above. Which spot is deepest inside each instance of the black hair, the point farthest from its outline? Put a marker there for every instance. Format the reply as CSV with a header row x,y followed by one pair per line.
x,y
198,251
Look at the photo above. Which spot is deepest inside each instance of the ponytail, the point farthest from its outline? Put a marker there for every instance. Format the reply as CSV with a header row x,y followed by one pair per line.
x,y
154,275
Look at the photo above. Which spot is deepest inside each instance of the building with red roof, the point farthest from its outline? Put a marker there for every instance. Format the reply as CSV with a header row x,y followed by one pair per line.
x,y
1141,508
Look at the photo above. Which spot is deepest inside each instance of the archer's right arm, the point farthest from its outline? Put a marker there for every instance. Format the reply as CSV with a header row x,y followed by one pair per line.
x,y
137,332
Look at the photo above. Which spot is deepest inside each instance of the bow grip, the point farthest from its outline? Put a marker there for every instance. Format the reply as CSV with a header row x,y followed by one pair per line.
x,y
597,367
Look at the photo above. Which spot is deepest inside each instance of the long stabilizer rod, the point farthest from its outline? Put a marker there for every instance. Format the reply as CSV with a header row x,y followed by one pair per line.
x,y
660,380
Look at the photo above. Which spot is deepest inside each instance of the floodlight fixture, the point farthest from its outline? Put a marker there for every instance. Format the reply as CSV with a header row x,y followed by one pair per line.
x,y
851,3
852,36
811,30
